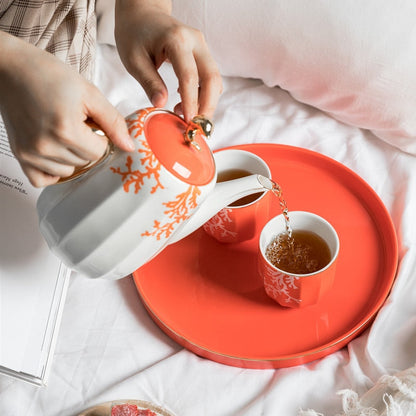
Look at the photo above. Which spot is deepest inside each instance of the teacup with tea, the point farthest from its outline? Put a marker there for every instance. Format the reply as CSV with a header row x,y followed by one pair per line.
x,y
297,258
244,218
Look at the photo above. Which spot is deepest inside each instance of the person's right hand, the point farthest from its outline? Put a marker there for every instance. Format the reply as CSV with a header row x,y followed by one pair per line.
x,y
45,105
147,35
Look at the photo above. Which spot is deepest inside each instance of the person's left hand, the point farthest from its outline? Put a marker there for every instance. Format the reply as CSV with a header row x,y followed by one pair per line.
x,y
146,36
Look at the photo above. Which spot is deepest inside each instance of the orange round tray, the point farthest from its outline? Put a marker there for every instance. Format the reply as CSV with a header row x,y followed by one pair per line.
x,y
209,297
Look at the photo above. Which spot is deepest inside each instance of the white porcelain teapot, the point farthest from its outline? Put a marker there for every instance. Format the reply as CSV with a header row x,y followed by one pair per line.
x,y
116,215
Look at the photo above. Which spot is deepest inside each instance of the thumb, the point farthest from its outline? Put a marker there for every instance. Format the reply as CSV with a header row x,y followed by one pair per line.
x,y
111,122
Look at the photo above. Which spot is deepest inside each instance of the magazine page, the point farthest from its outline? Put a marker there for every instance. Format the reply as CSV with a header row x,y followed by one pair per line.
x,y
32,279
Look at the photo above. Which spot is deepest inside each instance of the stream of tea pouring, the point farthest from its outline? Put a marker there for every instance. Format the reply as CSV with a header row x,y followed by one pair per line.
x,y
296,251
277,191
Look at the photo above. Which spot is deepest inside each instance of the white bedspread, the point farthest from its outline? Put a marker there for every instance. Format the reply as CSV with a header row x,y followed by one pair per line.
x,y
109,348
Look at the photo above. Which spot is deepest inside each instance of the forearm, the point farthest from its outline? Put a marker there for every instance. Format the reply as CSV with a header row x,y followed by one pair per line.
x,y
161,6
22,64
26,67
13,48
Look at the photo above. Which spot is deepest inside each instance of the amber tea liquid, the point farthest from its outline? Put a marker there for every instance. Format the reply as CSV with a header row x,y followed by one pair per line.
x,y
301,253
230,174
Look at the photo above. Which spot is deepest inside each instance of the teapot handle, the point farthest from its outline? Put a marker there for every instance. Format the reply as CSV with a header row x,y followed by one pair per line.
x,y
79,171
223,194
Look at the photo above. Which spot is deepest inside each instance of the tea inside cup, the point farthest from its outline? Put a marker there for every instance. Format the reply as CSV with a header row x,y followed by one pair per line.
x,y
233,164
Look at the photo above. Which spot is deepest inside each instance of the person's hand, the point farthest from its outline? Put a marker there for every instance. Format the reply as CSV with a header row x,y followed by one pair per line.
x,y
146,36
45,104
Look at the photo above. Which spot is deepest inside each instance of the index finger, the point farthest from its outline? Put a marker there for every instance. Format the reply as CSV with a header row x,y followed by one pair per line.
x,y
186,70
210,84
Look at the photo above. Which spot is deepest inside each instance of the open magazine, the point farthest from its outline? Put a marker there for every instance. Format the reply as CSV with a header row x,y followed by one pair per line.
x,y
33,281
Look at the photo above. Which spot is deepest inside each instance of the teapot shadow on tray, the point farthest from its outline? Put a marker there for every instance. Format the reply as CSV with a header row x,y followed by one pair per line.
x,y
231,268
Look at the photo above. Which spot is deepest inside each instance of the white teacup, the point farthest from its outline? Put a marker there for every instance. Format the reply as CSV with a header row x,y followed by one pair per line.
x,y
242,219
298,290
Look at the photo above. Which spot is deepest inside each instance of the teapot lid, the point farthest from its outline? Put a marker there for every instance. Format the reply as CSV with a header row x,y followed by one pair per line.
x,y
180,147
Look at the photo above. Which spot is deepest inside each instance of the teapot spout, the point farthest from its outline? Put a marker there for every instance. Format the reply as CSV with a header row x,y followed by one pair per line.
x,y
223,194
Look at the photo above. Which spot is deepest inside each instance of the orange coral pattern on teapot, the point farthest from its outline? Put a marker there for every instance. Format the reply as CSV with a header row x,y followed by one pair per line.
x,y
178,211
179,208
136,177
137,123
151,165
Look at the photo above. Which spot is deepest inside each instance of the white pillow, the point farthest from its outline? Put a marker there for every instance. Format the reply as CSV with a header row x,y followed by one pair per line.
x,y
355,60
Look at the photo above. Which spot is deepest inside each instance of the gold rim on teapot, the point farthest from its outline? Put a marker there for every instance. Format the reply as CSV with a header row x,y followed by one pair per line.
x,y
79,171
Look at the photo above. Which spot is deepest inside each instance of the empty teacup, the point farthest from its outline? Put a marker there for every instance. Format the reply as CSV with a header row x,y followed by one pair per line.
x,y
243,218
298,269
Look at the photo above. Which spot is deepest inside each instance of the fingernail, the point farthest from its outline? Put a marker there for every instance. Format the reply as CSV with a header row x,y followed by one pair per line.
x,y
158,99
130,144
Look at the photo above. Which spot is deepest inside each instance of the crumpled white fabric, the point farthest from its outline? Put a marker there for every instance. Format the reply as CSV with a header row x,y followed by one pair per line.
x,y
393,395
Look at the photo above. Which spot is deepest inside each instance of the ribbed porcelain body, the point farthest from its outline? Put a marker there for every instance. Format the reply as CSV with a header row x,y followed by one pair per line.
x,y
120,214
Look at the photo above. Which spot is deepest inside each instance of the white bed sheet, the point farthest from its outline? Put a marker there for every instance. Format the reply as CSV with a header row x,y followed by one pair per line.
x,y
109,348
